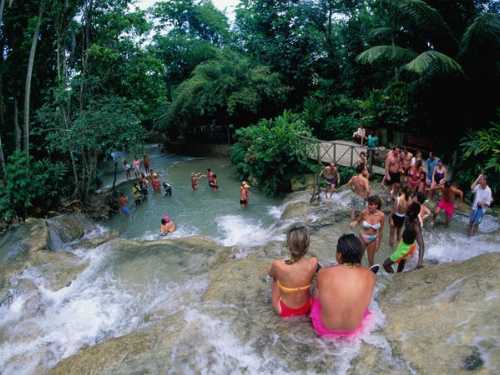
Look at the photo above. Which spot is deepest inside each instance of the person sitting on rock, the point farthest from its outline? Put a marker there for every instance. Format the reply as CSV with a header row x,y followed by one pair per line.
x,y
406,248
344,291
292,278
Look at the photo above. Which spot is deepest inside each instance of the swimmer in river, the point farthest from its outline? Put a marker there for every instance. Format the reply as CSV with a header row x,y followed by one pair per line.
x,y
292,278
244,194
195,177
343,292
167,225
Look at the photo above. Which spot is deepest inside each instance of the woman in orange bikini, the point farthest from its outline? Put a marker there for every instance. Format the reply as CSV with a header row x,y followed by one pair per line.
x,y
292,278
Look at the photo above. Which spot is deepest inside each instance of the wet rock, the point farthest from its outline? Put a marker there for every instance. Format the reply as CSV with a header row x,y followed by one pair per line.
x,y
58,269
436,315
91,243
29,237
68,227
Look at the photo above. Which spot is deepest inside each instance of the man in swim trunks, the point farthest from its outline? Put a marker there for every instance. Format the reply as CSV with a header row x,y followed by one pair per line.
x,y
392,175
404,251
244,194
361,187
343,292
447,201
482,200
331,175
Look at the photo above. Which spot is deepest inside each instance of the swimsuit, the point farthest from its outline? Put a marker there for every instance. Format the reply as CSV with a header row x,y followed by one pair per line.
x,y
398,219
331,180
395,178
447,207
369,238
288,312
294,311
321,330
438,177
403,252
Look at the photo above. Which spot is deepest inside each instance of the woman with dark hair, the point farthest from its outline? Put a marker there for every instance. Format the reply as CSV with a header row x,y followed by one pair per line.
x,y
412,221
372,227
292,278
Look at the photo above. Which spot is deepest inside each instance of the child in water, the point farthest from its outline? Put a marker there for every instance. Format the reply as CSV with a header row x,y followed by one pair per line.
x,y
292,278
213,183
403,252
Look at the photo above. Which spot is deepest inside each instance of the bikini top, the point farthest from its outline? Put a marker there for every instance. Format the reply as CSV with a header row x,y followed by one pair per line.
x,y
291,290
367,225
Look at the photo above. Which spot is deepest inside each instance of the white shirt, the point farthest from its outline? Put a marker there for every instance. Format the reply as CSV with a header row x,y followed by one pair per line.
x,y
482,196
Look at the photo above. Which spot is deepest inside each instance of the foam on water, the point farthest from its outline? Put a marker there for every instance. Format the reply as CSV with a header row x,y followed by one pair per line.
x,y
244,232
453,246
94,307
182,231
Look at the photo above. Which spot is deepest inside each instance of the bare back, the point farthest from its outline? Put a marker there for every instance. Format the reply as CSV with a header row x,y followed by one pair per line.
x,y
360,186
293,278
345,293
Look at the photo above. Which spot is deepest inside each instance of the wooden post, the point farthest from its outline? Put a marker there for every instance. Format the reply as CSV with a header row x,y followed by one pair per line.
x,y
334,153
352,155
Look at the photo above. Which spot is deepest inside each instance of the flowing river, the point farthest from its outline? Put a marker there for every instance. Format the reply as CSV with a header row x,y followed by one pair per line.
x,y
194,310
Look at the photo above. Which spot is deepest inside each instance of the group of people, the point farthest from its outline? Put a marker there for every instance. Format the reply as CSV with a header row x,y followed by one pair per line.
x,y
212,183
338,307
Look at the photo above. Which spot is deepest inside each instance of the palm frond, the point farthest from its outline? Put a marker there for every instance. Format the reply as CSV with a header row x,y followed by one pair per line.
x,y
419,14
381,33
484,32
381,54
433,62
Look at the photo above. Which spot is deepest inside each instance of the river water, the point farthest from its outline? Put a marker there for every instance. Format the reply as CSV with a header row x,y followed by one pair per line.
x,y
137,285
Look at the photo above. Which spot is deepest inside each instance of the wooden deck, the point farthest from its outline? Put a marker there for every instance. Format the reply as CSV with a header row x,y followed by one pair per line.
x,y
343,153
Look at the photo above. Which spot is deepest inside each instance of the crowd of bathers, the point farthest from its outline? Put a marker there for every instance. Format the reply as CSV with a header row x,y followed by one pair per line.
x,y
339,304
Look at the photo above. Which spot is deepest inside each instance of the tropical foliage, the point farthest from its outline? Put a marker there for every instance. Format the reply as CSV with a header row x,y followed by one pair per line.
x,y
79,78
272,152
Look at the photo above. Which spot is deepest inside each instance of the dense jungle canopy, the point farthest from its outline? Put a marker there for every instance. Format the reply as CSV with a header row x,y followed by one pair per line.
x,y
80,78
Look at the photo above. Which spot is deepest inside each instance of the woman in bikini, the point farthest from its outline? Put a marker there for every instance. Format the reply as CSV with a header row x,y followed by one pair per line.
x,y
372,227
415,177
292,278
397,218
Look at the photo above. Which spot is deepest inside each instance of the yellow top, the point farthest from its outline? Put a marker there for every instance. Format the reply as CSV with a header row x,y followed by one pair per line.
x,y
291,290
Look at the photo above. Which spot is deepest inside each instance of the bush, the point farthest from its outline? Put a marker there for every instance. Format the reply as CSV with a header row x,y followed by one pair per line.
x,y
481,154
30,184
272,152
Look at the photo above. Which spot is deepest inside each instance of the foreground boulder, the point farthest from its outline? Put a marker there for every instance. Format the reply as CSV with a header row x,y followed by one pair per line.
x,y
445,319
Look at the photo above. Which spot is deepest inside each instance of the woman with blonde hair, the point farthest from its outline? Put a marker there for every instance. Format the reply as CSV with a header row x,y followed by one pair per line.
x,y
292,278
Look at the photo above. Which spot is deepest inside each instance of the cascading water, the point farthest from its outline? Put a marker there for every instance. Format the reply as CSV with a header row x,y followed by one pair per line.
x,y
206,307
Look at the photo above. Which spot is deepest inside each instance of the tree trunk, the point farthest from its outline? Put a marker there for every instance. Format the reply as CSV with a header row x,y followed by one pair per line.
x,y
2,6
16,125
29,75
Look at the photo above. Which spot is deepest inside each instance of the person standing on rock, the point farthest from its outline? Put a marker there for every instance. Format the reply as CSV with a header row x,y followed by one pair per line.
x,y
482,200
343,293
372,227
292,278
392,175
331,175
361,187
137,167
406,247
412,221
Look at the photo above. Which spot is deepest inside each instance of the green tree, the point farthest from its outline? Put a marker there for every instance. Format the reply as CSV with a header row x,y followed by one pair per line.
x,y
272,152
230,89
